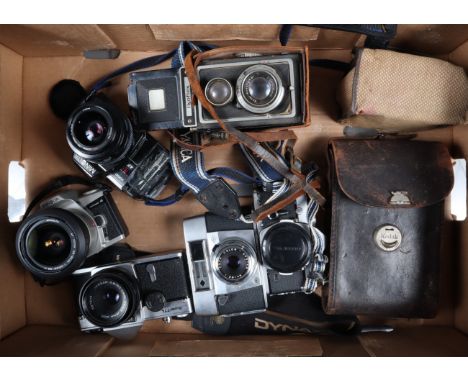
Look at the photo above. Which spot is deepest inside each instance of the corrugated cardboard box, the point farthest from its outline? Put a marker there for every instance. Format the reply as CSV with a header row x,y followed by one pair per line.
x,y
42,321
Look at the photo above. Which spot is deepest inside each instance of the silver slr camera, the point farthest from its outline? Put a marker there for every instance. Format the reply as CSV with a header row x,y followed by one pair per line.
x,y
118,298
226,275
249,91
67,229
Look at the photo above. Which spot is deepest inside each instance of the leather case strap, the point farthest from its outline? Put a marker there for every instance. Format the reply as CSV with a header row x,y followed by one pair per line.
x,y
298,184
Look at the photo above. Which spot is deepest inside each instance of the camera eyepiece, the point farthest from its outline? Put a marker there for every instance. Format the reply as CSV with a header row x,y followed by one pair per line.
x,y
234,259
259,89
287,247
52,243
99,132
109,299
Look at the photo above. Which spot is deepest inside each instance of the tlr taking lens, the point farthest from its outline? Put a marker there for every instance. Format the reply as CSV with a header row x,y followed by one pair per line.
x,y
259,89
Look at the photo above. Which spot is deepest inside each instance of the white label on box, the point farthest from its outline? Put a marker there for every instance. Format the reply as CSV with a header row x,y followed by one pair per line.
x,y
457,197
16,192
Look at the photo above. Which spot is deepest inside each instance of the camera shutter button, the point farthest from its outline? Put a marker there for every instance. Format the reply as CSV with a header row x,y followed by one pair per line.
x,y
155,301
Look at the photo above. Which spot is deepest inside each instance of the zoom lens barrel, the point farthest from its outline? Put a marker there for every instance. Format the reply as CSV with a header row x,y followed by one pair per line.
x,y
109,298
52,243
99,132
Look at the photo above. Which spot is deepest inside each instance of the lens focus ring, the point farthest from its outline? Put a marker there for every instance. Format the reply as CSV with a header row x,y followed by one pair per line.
x,y
109,299
52,243
259,89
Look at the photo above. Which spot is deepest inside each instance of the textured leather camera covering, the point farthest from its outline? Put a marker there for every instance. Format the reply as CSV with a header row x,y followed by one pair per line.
x,y
363,277
370,172
227,52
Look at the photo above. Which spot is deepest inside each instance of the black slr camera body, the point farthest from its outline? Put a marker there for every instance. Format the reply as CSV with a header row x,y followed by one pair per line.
x,y
248,91
104,142
117,298
66,230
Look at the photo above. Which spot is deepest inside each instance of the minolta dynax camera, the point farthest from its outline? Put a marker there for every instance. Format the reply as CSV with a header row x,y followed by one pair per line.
x,y
286,245
104,142
66,230
225,272
119,297
248,91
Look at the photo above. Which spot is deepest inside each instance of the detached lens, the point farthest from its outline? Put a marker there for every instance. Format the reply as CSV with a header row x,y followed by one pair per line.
x,y
109,299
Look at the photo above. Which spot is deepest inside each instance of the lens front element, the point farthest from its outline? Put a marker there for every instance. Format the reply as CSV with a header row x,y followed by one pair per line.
x,y
108,299
48,244
218,92
90,129
234,260
259,89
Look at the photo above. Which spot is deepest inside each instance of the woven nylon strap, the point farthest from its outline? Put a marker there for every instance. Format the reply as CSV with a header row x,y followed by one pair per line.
x,y
298,184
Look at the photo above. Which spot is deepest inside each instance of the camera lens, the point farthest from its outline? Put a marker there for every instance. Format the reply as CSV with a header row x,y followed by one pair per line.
x,y
99,132
48,244
287,247
91,129
52,243
218,92
109,299
259,89
234,259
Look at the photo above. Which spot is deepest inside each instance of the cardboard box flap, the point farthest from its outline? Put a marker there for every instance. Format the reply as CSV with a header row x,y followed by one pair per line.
x,y
236,346
53,341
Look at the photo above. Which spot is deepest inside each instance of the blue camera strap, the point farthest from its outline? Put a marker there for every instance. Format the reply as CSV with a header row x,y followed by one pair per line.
x,y
209,187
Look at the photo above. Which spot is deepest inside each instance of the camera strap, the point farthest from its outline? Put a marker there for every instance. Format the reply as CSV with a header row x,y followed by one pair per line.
x,y
298,183
59,183
210,188
274,183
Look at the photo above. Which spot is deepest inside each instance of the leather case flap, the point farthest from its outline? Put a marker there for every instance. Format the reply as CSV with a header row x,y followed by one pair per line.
x,y
393,173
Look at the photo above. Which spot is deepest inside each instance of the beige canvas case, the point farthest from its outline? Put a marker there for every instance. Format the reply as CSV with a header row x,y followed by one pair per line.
x,y
393,92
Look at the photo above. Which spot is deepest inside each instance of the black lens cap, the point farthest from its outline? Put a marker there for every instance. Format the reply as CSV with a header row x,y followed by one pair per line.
x,y
287,247
65,96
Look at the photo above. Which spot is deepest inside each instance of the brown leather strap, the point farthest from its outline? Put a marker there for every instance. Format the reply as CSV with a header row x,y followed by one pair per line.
x,y
260,136
298,184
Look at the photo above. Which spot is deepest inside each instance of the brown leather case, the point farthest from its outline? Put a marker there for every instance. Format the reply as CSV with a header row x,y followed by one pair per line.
x,y
387,213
